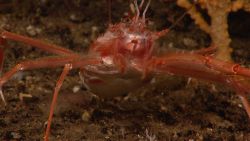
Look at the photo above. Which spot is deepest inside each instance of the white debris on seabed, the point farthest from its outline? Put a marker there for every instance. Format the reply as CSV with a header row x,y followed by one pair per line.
x,y
171,45
107,137
23,96
150,137
153,81
163,109
86,116
74,17
33,31
15,135
147,137
240,105
3,22
190,42
18,76
76,89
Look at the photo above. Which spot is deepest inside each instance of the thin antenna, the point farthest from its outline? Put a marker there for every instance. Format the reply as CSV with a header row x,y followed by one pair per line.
x,y
141,4
145,10
164,31
179,19
137,10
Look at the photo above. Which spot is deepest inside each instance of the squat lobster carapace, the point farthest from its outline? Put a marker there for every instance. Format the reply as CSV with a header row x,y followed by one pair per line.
x,y
126,52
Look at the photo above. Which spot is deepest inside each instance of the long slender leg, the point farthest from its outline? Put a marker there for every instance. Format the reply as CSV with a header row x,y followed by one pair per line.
x,y
67,68
200,67
27,65
1,60
36,43
3,45
35,64
4,35
46,63
65,71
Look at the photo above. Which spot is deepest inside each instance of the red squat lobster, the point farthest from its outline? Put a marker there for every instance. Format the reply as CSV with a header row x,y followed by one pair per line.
x,y
123,53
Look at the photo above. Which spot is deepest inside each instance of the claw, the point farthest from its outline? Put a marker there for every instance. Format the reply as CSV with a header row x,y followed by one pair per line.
x,y
245,104
2,97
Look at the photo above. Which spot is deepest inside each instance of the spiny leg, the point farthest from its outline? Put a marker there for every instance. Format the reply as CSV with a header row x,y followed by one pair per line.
x,y
200,67
65,71
231,72
228,68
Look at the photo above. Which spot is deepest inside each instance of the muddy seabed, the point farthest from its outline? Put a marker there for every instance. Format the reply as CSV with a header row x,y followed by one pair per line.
x,y
168,109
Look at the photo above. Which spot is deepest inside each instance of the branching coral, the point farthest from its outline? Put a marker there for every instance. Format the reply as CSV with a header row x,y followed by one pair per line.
x,y
218,11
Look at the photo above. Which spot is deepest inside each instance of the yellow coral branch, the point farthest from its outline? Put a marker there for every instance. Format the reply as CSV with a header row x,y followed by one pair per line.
x,y
192,11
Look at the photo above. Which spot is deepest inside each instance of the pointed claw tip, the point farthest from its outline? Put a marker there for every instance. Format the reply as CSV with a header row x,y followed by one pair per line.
x,y
2,97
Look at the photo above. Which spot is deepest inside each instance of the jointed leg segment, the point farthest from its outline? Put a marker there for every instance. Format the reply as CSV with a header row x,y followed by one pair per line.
x,y
32,64
5,35
226,67
66,70
67,61
46,63
35,64
49,62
